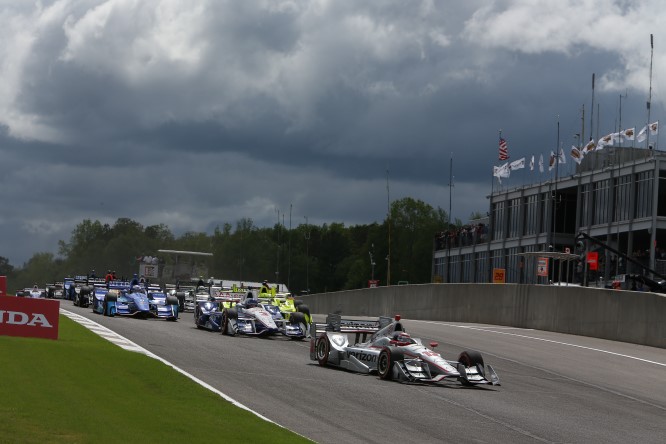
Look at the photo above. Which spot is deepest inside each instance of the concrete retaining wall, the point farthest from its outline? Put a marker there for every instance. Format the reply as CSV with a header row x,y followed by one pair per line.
x,y
626,316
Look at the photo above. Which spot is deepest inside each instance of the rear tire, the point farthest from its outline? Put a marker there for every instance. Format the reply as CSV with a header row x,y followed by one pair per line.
x,y
297,318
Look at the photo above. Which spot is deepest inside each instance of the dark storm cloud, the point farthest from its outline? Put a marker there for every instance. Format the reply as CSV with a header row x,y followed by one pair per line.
x,y
198,113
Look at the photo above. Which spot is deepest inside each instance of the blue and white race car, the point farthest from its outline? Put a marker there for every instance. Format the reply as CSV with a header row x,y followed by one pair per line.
x,y
121,299
208,311
251,317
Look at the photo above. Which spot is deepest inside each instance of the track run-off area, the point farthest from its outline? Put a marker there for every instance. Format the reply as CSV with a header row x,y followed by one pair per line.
x,y
555,387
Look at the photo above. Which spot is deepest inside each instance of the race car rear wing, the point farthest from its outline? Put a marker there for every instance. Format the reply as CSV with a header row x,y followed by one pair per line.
x,y
360,327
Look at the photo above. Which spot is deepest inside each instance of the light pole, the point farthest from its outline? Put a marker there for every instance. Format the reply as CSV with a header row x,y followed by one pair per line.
x,y
307,256
372,264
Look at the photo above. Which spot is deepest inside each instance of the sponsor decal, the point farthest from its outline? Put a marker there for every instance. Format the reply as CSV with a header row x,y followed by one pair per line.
x,y
362,356
29,317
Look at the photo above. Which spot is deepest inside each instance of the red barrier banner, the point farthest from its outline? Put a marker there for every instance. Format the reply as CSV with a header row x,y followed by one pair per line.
x,y
3,285
28,317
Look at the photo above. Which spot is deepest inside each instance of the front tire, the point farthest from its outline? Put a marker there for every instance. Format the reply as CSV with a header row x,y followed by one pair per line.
x,y
323,348
471,358
227,328
387,359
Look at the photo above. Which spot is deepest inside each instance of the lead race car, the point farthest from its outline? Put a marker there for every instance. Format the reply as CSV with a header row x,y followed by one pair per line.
x,y
392,353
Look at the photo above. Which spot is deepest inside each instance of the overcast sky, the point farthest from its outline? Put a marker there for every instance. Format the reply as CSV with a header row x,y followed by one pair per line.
x,y
196,113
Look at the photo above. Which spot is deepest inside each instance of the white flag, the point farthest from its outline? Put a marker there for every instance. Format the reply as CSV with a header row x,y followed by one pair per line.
x,y
517,164
532,163
654,128
590,146
561,158
551,161
607,140
541,163
501,171
576,155
628,134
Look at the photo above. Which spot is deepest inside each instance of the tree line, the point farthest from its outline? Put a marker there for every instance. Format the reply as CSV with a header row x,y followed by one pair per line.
x,y
307,257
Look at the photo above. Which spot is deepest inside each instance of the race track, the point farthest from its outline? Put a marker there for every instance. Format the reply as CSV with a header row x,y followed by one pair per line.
x,y
555,388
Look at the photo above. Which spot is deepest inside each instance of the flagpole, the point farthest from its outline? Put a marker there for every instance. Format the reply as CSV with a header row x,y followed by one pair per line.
x,y
448,250
647,139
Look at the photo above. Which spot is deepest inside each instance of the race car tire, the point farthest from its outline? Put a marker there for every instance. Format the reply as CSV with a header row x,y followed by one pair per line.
x,y
108,298
471,358
298,303
180,295
322,349
297,318
387,358
302,308
227,314
196,317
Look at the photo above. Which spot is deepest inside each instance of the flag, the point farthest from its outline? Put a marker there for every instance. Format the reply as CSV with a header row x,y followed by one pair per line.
x,y
642,134
551,161
628,134
503,150
517,164
532,163
501,171
590,146
541,163
654,128
607,140
561,158
576,154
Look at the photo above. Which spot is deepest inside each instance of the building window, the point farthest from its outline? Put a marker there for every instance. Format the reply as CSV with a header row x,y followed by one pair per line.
x,y
601,201
498,220
481,267
644,194
512,265
623,200
514,217
544,204
467,268
585,205
531,214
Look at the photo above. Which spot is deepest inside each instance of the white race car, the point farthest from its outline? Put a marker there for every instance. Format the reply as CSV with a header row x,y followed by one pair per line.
x,y
392,353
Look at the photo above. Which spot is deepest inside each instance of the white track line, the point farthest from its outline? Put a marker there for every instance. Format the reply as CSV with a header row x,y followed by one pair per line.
x,y
125,343
488,330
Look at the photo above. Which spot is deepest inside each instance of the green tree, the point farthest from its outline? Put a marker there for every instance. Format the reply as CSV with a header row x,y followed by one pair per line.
x,y
413,223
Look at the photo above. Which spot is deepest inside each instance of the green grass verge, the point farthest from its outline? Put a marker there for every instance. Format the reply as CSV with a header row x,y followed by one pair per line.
x,y
81,388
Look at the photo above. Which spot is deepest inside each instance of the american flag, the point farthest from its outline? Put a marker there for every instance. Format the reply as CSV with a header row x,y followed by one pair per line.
x,y
503,150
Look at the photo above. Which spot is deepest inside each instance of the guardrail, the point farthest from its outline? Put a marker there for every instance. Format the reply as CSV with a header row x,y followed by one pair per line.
x,y
626,316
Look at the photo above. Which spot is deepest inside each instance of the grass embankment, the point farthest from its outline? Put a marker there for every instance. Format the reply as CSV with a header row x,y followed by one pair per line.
x,y
81,388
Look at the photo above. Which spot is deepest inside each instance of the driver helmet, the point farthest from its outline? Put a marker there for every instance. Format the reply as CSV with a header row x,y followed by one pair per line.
x,y
35,287
402,338
250,303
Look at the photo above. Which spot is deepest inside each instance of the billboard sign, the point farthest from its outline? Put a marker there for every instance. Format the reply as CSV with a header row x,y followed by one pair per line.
x,y
28,317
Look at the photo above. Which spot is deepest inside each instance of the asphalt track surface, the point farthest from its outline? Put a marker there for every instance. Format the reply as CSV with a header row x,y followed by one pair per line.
x,y
556,388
